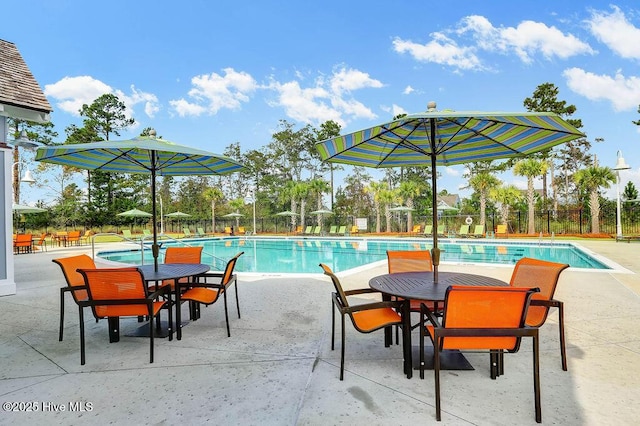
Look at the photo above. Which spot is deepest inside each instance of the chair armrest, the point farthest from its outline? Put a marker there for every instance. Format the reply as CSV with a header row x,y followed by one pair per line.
x,y
360,291
427,313
376,305
552,303
160,291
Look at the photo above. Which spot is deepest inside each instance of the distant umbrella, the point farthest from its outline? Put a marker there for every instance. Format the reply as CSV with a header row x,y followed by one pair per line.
x,y
233,215
20,208
322,212
287,213
178,215
135,213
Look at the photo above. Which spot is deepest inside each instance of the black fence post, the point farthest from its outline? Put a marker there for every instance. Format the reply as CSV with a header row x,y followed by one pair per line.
x,y
548,222
580,220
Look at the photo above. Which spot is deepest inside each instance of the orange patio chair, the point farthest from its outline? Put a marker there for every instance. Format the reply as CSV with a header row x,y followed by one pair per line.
x,y
354,230
73,237
530,272
75,281
501,230
207,293
479,318
180,255
119,292
41,242
411,261
23,243
366,318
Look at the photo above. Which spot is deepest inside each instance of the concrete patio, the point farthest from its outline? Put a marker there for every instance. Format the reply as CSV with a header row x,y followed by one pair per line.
x,y
277,368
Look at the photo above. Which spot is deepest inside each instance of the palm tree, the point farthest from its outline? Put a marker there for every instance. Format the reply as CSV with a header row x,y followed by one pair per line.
x,y
530,168
213,194
408,190
592,179
375,189
505,196
236,205
387,198
482,182
319,187
299,191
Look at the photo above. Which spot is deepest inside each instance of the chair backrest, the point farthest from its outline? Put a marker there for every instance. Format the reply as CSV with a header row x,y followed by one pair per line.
x,y
483,308
23,240
73,236
464,230
70,266
440,229
183,255
416,228
115,284
127,234
478,230
42,239
409,261
501,229
241,230
228,270
333,229
186,232
428,229
227,229
147,233
342,297
543,274
342,229
354,229
308,229
201,231
316,230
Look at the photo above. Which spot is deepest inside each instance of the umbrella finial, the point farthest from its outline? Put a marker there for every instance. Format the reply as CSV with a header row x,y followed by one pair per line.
x,y
152,133
431,106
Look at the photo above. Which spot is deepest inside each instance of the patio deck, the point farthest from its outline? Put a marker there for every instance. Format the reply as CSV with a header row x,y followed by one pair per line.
x,y
277,367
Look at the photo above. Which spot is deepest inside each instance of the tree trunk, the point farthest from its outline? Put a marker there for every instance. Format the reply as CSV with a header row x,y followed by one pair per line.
x,y
483,207
594,201
532,207
387,214
378,219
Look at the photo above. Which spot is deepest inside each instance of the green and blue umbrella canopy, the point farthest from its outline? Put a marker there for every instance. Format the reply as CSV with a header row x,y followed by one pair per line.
x,y
141,155
446,138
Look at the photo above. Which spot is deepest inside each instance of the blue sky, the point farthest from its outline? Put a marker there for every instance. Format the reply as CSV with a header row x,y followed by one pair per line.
x,y
210,73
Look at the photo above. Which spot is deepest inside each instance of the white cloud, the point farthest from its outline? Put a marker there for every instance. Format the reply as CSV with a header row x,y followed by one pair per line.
x,y
397,110
213,92
526,40
452,171
327,99
408,90
71,93
623,92
441,50
614,30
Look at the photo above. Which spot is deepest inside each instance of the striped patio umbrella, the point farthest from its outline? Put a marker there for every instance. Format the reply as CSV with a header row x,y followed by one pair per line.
x,y
141,155
445,138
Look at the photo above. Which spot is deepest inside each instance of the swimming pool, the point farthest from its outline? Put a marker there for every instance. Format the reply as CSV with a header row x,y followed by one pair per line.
x,y
302,255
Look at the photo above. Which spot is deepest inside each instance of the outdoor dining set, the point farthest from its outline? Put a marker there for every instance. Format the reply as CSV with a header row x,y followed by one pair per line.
x,y
457,312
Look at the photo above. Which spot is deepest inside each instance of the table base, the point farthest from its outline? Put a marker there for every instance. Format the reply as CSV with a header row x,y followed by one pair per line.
x,y
143,331
449,359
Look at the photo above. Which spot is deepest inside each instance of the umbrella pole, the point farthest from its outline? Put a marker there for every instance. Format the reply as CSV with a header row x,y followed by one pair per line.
x,y
435,251
155,249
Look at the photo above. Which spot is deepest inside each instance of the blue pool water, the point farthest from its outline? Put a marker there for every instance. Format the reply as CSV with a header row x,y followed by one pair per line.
x,y
301,255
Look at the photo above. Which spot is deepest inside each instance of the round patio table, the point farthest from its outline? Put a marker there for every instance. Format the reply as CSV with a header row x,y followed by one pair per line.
x,y
420,286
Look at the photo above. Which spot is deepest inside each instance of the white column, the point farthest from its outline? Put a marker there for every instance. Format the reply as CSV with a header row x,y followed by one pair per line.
x,y
7,275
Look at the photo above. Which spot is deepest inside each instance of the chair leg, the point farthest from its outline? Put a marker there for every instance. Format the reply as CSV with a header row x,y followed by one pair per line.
x,y
536,377
151,332
422,331
226,314
436,375
61,314
179,317
563,349
342,351
235,285
333,325
81,315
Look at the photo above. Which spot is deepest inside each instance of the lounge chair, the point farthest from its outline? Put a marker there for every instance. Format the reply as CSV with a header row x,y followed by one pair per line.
x,y
298,230
187,232
308,230
40,242
428,231
354,230
200,232
241,230
147,233
227,230
416,229
333,230
501,231
478,231
127,235
342,230
441,231
463,232
317,230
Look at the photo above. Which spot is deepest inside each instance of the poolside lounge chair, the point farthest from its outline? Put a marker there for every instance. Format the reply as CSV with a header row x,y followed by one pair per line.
x,y
228,230
530,272
86,236
428,231
206,292
186,232
365,318
147,233
119,292
241,230
441,231
127,234
354,230
298,230
342,230
463,232
478,231
317,230
200,232
497,325
308,230
501,231
333,230
75,281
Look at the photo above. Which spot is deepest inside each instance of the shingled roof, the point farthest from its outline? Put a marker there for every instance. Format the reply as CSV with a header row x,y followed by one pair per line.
x,y
18,87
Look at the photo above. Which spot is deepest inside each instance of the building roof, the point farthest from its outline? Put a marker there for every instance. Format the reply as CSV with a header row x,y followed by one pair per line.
x,y
19,89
